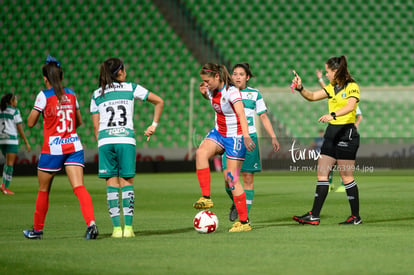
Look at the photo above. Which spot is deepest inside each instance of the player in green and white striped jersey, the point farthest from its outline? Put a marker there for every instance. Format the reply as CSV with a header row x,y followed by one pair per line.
x,y
253,105
10,129
112,109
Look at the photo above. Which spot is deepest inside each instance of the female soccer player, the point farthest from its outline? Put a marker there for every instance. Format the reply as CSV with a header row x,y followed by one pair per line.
x,y
341,139
61,147
230,135
112,109
253,104
10,126
358,119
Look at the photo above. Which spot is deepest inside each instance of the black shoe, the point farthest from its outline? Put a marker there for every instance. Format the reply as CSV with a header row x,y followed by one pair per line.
x,y
233,213
307,218
33,234
352,220
91,232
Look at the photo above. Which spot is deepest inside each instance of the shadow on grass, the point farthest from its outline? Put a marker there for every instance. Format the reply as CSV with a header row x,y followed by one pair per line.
x,y
389,220
289,222
273,223
165,232
156,232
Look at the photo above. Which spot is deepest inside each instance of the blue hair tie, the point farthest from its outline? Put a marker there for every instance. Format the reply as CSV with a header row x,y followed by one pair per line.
x,y
51,59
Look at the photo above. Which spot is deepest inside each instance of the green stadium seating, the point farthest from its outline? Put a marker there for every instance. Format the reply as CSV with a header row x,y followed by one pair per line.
x,y
273,36
84,36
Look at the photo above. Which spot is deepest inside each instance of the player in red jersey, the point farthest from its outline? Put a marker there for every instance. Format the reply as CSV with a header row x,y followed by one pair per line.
x,y
61,147
230,135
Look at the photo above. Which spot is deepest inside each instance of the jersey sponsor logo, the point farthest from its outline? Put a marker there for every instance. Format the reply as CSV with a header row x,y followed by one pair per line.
x,y
343,144
49,112
119,132
116,86
60,141
250,121
217,107
64,99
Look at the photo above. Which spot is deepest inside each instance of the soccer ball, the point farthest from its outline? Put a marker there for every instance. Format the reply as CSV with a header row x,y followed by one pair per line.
x,y
205,222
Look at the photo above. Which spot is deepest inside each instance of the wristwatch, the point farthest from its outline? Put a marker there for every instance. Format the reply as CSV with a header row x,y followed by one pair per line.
x,y
333,114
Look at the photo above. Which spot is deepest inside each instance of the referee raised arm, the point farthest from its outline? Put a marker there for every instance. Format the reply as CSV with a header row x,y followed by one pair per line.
x,y
341,139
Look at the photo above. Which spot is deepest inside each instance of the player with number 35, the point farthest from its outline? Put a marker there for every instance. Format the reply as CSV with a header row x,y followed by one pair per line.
x,y
61,147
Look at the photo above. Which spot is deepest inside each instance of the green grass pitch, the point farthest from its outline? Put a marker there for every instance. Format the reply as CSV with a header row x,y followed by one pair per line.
x,y
166,242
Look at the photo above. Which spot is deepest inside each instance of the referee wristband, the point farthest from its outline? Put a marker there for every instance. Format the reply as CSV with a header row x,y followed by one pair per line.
x,y
155,124
299,90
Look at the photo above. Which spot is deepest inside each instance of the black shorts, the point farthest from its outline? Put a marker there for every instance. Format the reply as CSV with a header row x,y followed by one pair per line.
x,y
341,142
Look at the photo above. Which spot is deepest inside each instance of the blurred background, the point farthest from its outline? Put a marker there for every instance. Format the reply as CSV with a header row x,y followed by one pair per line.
x,y
165,43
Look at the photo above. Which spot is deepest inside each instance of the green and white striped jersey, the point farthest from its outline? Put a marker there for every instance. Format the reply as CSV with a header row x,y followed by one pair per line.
x,y
253,104
116,112
9,118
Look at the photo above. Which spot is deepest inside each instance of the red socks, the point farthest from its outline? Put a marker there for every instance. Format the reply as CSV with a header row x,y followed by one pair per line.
x,y
85,202
42,205
240,203
204,179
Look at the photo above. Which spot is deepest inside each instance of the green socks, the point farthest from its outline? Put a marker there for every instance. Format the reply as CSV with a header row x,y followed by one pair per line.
x,y
249,199
228,191
112,197
7,175
128,201
330,176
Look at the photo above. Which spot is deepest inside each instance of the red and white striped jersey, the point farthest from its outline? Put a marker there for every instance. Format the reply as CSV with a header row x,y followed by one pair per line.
x,y
227,121
59,129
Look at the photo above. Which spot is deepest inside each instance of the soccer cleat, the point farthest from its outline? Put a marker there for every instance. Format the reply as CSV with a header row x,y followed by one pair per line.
x,y
5,190
203,203
240,227
91,232
33,234
352,220
340,189
297,218
128,232
307,218
117,233
331,187
233,213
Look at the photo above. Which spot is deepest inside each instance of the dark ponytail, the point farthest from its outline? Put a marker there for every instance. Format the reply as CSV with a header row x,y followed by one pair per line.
x,y
5,101
109,72
212,69
54,74
342,75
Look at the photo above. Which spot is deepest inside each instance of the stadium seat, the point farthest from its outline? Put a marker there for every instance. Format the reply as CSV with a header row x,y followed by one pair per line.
x,y
376,38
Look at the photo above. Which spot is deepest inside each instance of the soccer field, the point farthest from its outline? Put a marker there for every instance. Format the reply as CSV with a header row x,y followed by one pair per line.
x,y
166,242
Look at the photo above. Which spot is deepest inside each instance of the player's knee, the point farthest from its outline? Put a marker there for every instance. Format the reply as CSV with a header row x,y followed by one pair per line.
x,y
232,177
248,185
347,180
201,153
